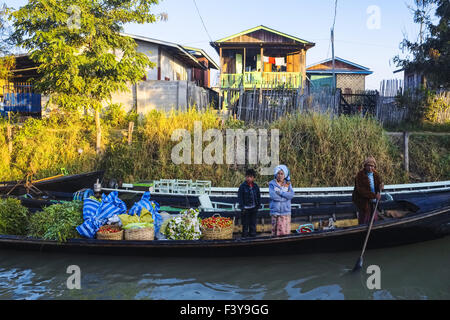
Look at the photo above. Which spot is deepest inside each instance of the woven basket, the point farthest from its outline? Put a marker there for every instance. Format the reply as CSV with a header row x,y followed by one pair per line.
x,y
217,233
110,236
140,234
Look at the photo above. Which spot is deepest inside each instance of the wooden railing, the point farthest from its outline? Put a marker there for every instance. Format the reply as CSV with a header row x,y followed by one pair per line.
x,y
258,79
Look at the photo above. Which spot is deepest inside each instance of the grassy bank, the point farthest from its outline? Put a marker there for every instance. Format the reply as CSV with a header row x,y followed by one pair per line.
x,y
319,151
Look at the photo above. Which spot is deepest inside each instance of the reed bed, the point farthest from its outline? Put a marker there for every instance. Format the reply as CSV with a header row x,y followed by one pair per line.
x,y
320,151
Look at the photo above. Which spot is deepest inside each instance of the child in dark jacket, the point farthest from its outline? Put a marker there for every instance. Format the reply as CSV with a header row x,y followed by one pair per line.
x,y
249,198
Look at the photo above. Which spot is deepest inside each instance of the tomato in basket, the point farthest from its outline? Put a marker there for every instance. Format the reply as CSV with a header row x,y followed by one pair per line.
x,y
214,222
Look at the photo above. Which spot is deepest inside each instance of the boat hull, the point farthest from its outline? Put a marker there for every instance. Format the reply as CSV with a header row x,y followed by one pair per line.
x,y
65,184
417,228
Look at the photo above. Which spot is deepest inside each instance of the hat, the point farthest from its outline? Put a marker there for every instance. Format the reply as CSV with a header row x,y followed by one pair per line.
x,y
285,171
371,161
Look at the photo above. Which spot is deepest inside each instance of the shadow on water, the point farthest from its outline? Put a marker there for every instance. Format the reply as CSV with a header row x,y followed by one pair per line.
x,y
419,271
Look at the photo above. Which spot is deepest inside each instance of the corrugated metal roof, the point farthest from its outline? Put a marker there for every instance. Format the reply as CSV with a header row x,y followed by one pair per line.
x,y
176,47
341,60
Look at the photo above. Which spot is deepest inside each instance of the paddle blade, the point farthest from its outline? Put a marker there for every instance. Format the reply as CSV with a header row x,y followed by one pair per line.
x,y
358,265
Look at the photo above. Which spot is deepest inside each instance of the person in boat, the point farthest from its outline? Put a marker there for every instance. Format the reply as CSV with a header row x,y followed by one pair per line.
x,y
281,194
249,198
368,187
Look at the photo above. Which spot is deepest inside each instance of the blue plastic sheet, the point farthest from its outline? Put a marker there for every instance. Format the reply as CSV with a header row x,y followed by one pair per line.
x,y
96,214
151,206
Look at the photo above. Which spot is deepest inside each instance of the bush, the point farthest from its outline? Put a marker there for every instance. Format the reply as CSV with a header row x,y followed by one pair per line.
x,y
438,109
323,152
58,221
431,156
14,217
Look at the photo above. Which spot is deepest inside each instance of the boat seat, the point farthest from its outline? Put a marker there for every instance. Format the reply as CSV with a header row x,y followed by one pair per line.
x,y
207,205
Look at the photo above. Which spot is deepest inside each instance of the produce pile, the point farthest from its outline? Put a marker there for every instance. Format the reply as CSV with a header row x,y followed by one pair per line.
x,y
217,222
185,226
112,210
109,229
14,218
57,222
76,219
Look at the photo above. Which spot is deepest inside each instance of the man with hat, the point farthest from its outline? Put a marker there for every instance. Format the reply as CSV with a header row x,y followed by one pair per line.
x,y
367,191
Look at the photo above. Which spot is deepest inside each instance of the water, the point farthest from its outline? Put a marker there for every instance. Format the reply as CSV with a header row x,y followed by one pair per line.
x,y
418,271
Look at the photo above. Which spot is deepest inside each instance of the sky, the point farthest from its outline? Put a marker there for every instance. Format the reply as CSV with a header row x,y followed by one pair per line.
x,y
367,32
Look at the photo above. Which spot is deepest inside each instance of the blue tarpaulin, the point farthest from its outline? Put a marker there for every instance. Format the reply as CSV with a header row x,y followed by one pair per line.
x,y
21,103
96,213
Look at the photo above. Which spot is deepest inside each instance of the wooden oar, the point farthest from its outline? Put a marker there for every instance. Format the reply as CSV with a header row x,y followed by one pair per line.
x,y
359,263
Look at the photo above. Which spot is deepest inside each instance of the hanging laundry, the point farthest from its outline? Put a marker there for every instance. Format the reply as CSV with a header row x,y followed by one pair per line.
x,y
266,59
271,60
280,61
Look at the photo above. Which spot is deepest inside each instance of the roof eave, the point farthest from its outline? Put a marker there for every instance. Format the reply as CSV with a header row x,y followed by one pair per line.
x,y
167,44
339,71
261,27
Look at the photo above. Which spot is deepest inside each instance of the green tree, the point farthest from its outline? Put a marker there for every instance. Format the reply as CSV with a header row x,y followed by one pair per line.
x,y
430,53
82,55
7,61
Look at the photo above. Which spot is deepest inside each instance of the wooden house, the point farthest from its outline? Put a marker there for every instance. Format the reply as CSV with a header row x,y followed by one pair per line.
x,y
412,79
261,57
202,77
175,62
350,77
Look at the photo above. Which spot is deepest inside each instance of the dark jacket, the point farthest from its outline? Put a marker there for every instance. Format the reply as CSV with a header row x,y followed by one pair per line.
x,y
245,197
362,193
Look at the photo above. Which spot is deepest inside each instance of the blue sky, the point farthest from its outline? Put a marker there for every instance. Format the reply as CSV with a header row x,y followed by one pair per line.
x,y
359,35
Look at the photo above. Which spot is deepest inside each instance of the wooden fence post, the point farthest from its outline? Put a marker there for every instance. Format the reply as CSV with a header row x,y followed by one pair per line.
x,y
406,150
130,132
9,136
99,132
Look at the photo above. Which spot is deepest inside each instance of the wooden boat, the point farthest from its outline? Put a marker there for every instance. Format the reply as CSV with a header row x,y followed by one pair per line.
x,y
58,184
422,218
171,195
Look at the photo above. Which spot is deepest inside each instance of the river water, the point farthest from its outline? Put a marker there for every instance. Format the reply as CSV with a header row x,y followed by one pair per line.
x,y
417,271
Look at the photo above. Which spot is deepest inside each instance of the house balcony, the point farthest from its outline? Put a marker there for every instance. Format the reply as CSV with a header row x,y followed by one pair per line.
x,y
250,80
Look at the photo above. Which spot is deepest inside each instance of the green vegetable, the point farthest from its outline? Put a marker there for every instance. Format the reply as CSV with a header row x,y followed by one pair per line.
x,y
140,225
185,226
13,217
58,221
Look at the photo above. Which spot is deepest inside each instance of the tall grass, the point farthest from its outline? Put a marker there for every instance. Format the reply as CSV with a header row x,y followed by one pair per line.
x,y
318,150
41,147
325,152
431,157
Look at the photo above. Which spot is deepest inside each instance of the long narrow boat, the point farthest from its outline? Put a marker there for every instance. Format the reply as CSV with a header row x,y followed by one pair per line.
x,y
57,184
179,196
423,218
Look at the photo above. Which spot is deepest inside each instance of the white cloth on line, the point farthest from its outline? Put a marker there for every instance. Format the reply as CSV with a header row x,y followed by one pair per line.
x,y
280,61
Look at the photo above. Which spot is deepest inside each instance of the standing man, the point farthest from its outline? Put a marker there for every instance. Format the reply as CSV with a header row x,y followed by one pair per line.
x,y
249,198
368,187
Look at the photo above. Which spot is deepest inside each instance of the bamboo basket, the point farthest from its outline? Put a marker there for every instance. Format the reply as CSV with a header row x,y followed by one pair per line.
x,y
110,236
140,234
217,233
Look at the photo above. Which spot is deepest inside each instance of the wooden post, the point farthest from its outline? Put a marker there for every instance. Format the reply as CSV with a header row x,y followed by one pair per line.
x,y
220,80
130,132
99,132
406,150
9,135
262,74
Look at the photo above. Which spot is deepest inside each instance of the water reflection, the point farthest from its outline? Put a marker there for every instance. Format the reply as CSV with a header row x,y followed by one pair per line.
x,y
419,271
